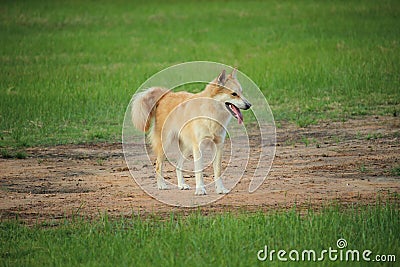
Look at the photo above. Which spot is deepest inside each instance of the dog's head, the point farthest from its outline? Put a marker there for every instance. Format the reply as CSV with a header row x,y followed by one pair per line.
x,y
228,90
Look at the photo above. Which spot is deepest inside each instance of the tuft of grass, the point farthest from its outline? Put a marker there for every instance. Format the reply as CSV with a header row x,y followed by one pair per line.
x,y
6,154
100,161
363,168
305,141
306,120
395,171
373,136
337,139
20,155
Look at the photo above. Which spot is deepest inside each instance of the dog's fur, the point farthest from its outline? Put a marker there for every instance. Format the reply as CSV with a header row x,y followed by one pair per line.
x,y
186,120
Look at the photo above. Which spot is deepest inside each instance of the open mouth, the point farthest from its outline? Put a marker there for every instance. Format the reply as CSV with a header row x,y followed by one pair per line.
x,y
235,111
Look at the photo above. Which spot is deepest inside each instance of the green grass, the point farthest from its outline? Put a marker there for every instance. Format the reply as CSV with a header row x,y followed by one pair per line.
x,y
18,154
197,240
395,171
69,68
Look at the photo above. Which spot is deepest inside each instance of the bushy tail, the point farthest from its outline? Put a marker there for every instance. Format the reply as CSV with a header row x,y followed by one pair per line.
x,y
143,107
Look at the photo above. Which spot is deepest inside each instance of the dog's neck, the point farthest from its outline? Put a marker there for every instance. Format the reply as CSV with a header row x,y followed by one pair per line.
x,y
215,107
210,91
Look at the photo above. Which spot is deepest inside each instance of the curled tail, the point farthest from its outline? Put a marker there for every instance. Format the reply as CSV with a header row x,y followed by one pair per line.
x,y
143,107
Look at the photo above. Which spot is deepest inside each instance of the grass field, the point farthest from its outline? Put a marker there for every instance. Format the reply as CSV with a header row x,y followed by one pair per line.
x,y
197,240
69,68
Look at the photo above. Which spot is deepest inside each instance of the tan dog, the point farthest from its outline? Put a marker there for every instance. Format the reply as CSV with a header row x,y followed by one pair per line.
x,y
186,120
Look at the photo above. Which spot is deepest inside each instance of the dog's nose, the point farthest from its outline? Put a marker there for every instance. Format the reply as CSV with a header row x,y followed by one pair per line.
x,y
248,105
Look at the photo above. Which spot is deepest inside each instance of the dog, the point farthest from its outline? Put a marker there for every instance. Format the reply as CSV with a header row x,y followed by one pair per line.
x,y
186,120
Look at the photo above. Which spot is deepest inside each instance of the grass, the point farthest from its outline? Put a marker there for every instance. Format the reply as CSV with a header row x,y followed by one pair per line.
x,y
18,154
69,68
395,171
197,240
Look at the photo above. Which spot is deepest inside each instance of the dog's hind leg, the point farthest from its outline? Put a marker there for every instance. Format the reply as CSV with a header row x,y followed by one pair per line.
x,y
219,186
158,149
159,152
161,184
198,169
179,174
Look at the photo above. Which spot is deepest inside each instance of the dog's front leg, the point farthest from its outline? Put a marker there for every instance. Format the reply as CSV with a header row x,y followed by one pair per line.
x,y
198,169
219,186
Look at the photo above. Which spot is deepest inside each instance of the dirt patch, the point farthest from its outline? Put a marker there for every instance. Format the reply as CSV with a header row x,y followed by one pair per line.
x,y
348,162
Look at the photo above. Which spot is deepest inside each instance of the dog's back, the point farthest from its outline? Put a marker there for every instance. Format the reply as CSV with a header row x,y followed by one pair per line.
x,y
167,104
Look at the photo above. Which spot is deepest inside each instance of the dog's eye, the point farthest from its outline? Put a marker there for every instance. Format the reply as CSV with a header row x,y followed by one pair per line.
x,y
234,94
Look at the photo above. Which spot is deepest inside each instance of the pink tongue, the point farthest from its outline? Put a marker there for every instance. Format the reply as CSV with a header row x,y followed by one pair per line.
x,y
238,114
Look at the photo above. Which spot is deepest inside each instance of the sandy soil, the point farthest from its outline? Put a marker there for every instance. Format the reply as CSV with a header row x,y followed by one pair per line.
x,y
345,162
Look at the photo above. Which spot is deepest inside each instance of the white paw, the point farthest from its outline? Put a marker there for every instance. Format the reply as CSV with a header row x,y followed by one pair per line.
x,y
162,185
200,191
221,190
184,187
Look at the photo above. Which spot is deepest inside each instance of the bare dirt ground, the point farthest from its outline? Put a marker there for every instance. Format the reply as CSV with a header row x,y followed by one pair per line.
x,y
345,162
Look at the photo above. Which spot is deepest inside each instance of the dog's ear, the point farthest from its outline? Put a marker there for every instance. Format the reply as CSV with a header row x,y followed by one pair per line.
x,y
222,78
234,72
